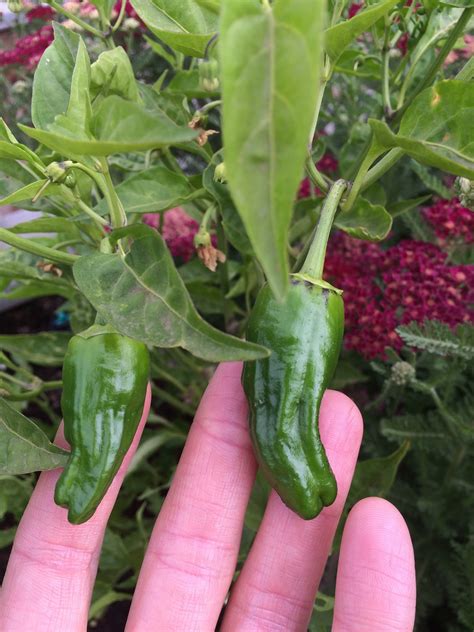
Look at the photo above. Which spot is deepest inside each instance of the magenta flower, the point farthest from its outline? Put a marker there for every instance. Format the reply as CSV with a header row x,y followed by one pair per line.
x,y
178,231
28,49
354,9
451,222
386,288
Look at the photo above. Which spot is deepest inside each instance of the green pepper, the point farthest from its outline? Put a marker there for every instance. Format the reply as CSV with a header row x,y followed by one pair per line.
x,y
284,390
105,376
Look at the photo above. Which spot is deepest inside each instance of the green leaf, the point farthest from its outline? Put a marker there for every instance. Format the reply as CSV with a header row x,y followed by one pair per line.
x,y
53,76
150,191
150,446
79,109
438,338
270,69
357,64
160,50
398,208
187,26
373,477
47,225
462,4
112,73
23,446
143,296
231,222
11,148
365,221
187,82
431,181
118,126
100,605
426,431
29,191
45,348
339,36
437,128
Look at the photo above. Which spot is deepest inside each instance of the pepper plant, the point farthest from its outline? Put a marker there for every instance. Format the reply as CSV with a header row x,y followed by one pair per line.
x,y
234,117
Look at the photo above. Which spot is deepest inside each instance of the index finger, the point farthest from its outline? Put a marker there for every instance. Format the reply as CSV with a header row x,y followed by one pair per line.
x,y
52,567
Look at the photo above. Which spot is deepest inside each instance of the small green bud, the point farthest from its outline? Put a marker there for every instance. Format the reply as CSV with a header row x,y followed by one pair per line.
x,y
402,373
57,172
220,173
209,75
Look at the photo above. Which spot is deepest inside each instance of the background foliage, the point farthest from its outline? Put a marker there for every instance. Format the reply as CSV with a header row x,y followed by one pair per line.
x,y
409,344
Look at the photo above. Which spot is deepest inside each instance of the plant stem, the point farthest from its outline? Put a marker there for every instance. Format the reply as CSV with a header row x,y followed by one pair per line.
x,y
314,175
381,167
224,270
87,27
92,214
374,152
387,105
119,19
436,64
37,249
118,216
314,263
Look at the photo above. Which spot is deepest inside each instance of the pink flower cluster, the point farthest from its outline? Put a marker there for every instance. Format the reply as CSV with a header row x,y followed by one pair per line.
x,y
327,164
354,9
451,222
28,49
178,231
386,288
40,12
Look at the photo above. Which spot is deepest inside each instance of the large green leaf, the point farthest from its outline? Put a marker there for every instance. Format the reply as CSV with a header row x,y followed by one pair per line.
x,y
365,221
156,189
46,348
29,191
339,36
143,296
233,226
24,447
113,74
53,76
187,25
118,126
270,63
437,128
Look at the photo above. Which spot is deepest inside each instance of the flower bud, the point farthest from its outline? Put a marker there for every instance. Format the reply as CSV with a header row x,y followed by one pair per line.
x,y
220,173
402,373
209,75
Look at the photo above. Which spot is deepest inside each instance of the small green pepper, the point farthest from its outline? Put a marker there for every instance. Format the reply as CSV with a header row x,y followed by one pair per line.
x,y
105,376
284,391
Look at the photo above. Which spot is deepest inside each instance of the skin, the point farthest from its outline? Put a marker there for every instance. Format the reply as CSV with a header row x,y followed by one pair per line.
x,y
190,561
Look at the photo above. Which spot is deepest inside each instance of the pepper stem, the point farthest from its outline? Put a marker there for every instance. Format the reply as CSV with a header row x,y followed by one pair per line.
x,y
314,263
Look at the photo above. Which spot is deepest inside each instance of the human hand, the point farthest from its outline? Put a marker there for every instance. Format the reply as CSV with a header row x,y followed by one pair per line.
x,y
191,557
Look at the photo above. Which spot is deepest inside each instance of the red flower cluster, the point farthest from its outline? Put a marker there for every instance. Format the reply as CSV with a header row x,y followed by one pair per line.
x,y
44,13
178,231
327,164
354,9
402,43
28,49
386,288
451,222
129,10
